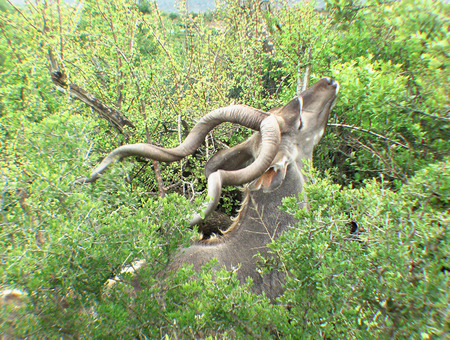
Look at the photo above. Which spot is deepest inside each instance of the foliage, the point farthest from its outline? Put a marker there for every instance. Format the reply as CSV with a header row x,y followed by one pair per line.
x,y
393,67
5,6
368,260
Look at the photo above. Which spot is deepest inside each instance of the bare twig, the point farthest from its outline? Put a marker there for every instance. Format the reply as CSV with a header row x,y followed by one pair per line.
x,y
162,46
389,165
119,60
159,180
416,110
61,45
369,132
156,167
23,15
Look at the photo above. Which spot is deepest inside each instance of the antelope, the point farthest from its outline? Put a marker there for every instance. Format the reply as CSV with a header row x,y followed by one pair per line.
x,y
275,155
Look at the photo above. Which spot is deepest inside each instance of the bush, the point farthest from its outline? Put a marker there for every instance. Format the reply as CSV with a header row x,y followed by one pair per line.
x,y
370,262
367,260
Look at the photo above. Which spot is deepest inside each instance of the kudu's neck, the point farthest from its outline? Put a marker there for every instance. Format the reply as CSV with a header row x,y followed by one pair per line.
x,y
261,219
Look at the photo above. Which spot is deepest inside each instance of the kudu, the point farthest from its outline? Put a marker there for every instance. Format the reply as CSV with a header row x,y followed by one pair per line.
x,y
276,153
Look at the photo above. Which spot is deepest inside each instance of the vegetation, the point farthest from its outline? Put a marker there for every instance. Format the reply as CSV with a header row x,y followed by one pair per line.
x,y
368,260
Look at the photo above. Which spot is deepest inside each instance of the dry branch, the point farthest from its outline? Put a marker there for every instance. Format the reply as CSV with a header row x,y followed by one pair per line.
x,y
115,117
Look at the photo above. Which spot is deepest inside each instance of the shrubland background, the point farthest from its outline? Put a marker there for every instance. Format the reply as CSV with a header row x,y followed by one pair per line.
x,y
369,260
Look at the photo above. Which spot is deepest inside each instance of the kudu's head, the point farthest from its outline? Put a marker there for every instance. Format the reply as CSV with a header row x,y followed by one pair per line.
x,y
302,123
286,135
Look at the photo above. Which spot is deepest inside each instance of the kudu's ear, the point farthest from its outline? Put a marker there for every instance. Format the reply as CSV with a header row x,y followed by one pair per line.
x,y
290,114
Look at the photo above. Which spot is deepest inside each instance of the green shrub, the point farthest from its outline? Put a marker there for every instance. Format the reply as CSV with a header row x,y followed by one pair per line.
x,y
369,259
370,262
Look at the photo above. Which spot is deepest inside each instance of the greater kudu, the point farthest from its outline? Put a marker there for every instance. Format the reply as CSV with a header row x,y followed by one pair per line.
x,y
277,153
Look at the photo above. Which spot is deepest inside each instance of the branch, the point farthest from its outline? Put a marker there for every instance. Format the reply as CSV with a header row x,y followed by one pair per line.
x,y
115,117
357,8
369,132
159,180
392,168
23,15
416,110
